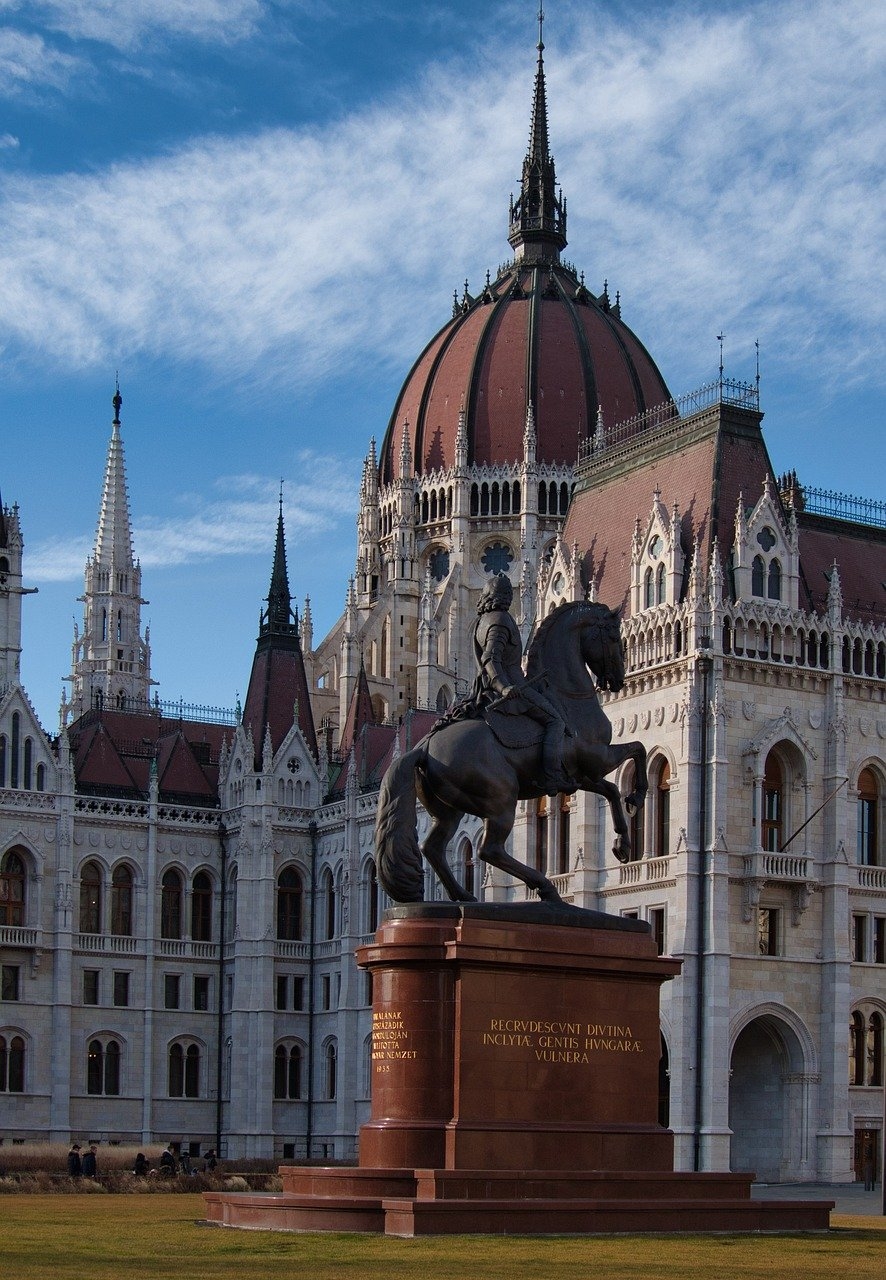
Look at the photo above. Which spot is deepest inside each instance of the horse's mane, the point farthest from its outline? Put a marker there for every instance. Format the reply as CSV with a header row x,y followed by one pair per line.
x,y
539,643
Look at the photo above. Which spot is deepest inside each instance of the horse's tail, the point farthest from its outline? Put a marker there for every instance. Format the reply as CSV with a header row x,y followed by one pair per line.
x,y
397,853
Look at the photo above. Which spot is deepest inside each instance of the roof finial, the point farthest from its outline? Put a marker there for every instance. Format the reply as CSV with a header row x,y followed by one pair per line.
x,y
117,401
541,23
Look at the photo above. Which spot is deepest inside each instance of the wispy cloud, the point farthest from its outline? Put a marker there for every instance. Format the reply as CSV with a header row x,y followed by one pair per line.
x,y
28,62
124,23
237,518
723,171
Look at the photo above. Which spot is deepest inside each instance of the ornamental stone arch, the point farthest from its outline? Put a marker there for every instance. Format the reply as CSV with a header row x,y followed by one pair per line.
x,y
773,1088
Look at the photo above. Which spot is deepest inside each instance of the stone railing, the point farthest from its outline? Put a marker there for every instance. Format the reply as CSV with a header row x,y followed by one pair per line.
x,y
777,866
872,878
284,950
12,935
42,801
104,944
102,807
645,871
186,949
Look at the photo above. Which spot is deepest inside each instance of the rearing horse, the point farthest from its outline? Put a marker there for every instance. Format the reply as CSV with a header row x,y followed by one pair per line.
x,y
462,767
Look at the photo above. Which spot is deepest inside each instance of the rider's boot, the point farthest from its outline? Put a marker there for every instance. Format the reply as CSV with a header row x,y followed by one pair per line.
x,y
555,779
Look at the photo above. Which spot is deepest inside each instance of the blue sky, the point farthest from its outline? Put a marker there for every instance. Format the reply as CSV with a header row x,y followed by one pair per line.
x,y
257,212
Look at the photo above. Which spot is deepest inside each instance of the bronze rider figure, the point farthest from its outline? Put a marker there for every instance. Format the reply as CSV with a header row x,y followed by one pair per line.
x,y
500,681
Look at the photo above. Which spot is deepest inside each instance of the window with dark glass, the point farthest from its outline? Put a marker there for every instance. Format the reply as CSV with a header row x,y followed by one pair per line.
x,y
773,580
859,938
121,989
657,918
298,992
171,990
90,898
289,905
768,920
662,810
12,889
497,558
171,905
287,1072
866,847
184,1071
201,992
773,805
329,905
879,940
372,903
201,908
856,1049
90,986
758,574
121,902
438,564
331,1070
9,982
12,1064
281,991
103,1068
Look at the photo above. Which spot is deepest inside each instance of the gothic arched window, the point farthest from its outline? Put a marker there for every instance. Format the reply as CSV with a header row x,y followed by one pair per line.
x,y
662,785
121,902
773,804
331,1070
91,898
171,905
289,905
201,908
868,803
773,586
758,573
12,889
103,1068
12,1064
287,1072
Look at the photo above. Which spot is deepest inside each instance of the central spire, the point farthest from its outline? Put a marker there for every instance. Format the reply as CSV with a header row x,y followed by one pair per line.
x,y
538,215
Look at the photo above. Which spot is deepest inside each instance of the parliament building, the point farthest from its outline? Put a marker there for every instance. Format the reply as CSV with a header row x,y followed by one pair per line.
x,y
182,891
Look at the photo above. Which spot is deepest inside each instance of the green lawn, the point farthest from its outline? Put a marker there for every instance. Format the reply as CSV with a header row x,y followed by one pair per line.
x,y
133,1237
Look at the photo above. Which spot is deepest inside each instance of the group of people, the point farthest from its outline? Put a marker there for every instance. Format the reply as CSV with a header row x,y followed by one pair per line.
x,y
85,1165
170,1163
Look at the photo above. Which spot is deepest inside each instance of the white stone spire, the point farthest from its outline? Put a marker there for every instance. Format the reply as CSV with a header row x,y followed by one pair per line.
x,y
111,660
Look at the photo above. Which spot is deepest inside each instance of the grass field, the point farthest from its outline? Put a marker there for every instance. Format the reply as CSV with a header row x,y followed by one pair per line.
x,y
158,1238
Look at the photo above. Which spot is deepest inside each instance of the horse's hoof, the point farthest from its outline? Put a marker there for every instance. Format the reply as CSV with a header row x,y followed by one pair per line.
x,y
630,808
622,850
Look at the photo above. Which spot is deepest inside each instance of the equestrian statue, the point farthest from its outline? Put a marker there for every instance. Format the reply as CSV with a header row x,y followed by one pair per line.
x,y
514,737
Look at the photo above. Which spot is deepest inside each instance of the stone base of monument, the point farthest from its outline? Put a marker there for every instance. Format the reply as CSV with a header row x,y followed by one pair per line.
x,y
515,1078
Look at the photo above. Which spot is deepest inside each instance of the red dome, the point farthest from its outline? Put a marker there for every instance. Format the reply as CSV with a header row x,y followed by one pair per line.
x,y
534,335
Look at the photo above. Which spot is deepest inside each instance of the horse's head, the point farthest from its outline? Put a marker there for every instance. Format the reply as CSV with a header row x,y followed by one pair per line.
x,y
602,649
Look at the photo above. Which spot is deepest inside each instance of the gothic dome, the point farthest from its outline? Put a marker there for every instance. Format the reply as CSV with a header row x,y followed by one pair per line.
x,y
534,335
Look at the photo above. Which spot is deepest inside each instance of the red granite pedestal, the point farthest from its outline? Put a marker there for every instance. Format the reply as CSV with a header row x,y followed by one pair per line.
x,y
514,1090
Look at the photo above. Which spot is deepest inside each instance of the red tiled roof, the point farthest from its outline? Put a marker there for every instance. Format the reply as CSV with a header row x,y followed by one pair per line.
x,y
112,753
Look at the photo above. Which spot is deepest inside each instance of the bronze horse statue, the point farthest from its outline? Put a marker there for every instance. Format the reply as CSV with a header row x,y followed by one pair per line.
x,y
462,767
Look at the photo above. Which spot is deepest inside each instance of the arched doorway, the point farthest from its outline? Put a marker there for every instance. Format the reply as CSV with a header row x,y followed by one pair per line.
x,y
768,1102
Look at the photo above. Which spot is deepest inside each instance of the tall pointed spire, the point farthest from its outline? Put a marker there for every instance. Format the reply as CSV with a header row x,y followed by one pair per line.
x,y
538,215
111,658
113,538
278,686
279,616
